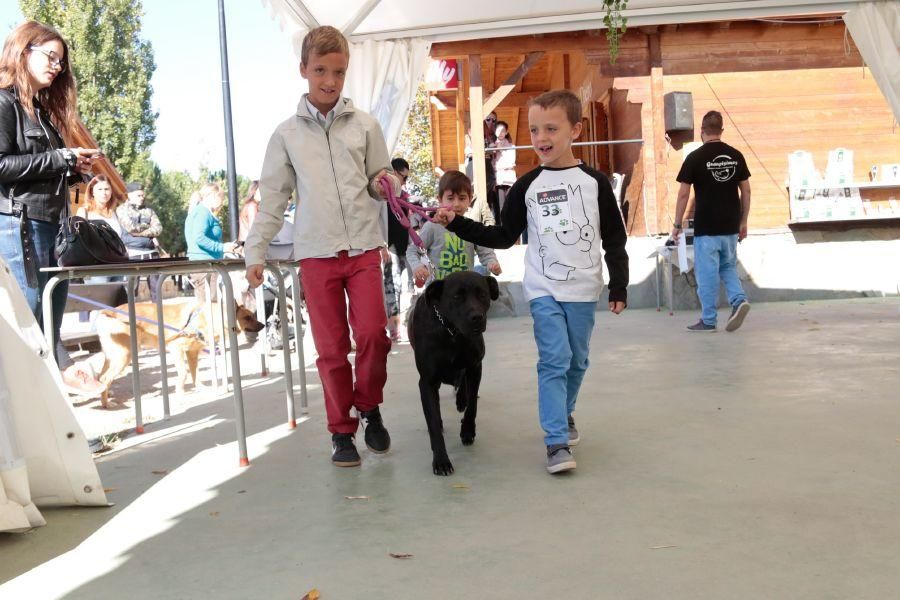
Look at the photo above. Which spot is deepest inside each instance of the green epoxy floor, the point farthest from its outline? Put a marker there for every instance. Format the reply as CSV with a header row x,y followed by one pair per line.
x,y
759,464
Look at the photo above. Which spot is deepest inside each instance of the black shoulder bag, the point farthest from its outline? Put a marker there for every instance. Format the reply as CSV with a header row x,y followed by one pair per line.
x,y
82,243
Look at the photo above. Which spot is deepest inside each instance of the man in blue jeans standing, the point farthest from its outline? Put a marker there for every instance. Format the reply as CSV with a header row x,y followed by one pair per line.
x,y
721,183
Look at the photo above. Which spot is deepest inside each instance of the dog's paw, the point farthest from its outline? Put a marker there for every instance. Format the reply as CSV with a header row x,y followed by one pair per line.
x,y
467,434
442,466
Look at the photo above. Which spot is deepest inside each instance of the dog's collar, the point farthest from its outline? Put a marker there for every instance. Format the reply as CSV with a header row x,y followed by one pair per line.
x,y
441,320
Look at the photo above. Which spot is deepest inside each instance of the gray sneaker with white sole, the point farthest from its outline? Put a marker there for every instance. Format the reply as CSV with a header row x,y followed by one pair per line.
x,y
559,458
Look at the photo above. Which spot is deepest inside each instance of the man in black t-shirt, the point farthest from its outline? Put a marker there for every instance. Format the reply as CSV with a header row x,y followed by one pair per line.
x,y
721,183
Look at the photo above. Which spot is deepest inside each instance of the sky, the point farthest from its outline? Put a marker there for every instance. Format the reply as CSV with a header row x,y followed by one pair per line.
x,y
187,84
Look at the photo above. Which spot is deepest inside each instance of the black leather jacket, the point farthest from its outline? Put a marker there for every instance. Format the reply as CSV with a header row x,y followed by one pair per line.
x,y
33,166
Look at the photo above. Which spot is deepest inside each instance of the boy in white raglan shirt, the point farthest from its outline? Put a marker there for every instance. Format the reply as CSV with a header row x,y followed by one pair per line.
x,y
566,207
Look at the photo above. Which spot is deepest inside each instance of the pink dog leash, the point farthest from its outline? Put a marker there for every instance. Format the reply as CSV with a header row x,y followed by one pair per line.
x,y
397,204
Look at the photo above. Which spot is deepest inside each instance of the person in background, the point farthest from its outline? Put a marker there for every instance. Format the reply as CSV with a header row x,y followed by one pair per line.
x,y
38,112
447,253
100,205
140,230
249,210
398,240
504,165
721,183
203,234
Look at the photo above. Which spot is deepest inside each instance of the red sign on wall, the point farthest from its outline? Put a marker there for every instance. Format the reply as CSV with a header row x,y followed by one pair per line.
x,y
442,75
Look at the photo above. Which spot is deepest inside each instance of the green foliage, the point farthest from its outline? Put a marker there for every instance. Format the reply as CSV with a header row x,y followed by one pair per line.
x,y
112,66
415,146
616,25
169,194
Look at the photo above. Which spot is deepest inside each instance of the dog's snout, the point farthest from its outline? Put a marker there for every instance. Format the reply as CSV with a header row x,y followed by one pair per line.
x,y
477,319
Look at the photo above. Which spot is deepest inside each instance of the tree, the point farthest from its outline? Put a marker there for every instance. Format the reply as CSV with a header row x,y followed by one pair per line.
x,y
112,66
415,146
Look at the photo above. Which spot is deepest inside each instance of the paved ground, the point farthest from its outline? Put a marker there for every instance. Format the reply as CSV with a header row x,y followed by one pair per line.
x,y
760,464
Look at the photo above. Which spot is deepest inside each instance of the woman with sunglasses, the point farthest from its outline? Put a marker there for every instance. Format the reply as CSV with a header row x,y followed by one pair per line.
x,y
37,114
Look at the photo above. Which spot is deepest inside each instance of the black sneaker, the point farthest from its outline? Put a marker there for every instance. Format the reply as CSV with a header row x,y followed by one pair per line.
x,y
702,327
737,316
344,452
378,440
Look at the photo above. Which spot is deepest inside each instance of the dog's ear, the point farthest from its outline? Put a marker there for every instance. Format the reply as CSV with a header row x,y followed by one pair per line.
x,y
493,287
433,292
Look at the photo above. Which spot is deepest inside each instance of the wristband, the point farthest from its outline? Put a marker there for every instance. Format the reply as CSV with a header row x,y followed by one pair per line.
x,y
677,225
69,157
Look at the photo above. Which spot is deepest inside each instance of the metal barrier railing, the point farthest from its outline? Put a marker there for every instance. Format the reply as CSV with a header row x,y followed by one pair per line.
x,y
132,271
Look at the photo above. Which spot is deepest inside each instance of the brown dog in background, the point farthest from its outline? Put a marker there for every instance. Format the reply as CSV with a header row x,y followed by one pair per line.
x,y
187,316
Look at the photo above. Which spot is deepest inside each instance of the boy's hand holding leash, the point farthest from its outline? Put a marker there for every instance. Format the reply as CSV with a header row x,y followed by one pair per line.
x,y
254,275
443,216
395,182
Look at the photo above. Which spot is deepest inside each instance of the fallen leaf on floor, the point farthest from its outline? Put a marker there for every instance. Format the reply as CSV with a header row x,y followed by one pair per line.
x,y
312,594
161,472
400,555
242,491
214,514
661,547
460,486
108,490
356,497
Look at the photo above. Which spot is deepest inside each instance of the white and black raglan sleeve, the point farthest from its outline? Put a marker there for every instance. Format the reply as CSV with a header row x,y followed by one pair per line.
x,y
613,236
513,218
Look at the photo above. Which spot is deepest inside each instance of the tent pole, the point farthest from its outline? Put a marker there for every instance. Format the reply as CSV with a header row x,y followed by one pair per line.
x,y
229,131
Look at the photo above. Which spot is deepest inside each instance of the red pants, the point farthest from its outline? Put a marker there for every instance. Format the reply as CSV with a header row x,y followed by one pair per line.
x,y
326,283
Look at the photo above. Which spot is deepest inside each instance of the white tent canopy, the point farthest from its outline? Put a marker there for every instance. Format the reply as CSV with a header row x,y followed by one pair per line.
x,y
391,39
449,20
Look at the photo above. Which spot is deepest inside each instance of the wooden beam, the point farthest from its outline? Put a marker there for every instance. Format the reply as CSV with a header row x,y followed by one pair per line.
x,y
655,50
657,144
476,131
557,72
503,91
461,116
438,160
556,42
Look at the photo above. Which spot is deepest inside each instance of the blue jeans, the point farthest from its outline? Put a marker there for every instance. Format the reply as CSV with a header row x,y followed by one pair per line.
x,y
44,235
562,331
715,258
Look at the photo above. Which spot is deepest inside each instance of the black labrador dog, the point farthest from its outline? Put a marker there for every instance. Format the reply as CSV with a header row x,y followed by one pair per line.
x,y
446,332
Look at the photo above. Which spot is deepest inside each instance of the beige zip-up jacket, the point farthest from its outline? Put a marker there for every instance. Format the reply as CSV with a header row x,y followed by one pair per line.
x,y
331,170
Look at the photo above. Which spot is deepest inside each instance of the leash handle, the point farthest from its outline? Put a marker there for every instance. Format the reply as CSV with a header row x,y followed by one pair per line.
x,y
397,204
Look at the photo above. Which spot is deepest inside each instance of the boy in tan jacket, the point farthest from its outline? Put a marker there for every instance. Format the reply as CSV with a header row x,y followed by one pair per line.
x,y
333,155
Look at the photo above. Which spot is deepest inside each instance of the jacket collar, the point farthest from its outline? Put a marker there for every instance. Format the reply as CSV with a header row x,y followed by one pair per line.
x,y
344,105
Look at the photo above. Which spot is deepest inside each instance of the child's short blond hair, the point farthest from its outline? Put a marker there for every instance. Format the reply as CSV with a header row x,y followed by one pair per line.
x,y
564,98
323,40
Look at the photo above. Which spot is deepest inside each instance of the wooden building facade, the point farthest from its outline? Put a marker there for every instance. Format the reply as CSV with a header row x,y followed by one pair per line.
x,y
780,85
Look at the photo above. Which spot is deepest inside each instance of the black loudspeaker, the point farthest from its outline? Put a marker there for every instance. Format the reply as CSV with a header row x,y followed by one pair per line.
x,y
679,111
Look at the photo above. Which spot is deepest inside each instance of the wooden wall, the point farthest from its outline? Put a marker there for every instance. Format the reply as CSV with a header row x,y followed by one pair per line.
x,y
769,114
780,88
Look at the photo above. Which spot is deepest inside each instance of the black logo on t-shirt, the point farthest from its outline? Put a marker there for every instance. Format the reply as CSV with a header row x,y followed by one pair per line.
x,y
722,168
